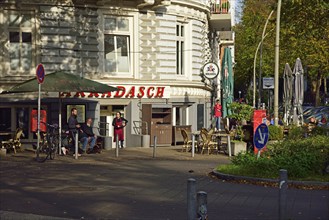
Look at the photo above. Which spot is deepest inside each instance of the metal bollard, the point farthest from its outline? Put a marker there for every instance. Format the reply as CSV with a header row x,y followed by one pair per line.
x,y
283,186
193,147
76,145
202,205
117,146
191,199
154,146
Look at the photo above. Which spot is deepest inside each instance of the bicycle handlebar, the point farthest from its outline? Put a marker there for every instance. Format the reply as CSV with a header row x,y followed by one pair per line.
x,y
50,125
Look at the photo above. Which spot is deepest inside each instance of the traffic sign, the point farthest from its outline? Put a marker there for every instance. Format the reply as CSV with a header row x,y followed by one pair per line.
x,y
268,83
261,136
40,73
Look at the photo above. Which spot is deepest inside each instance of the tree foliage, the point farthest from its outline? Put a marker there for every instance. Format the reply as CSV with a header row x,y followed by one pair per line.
x,y
304,33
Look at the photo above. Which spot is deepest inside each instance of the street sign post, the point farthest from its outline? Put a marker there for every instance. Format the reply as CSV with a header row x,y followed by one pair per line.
x,y
261,137
40,73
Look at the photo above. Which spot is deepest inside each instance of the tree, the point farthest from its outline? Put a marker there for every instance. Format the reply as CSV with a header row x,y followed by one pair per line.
x,y
304,33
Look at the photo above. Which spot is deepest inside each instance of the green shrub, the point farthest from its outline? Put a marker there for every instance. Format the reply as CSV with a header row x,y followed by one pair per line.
x,y
319,131
275,132
300,157
296,133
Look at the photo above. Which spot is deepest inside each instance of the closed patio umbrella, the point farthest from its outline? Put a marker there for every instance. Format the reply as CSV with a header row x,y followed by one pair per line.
x,y
287,92
227,82
298,92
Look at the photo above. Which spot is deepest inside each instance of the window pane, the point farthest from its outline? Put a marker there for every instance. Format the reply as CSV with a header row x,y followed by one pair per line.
x,y
26,56
182,31
123,53
177,57
22,115
14,37
14,55
123,24
14,20
26,21
26,37
182,58
110,24
177,30
110,64
5,119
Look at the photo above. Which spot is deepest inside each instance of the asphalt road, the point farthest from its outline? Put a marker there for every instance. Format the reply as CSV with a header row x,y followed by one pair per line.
x,y
137,186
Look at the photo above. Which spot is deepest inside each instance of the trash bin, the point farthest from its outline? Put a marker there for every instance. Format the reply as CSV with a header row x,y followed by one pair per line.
x,y
146,140
107,142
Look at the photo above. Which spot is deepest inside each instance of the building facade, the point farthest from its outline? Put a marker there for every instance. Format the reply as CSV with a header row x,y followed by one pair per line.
x,y
151,50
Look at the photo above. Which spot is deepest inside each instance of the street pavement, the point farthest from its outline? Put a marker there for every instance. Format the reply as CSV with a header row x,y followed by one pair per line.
x,y
137,186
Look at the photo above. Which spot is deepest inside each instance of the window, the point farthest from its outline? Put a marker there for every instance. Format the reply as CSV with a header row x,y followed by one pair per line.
x,y
180,49
117,44
20,40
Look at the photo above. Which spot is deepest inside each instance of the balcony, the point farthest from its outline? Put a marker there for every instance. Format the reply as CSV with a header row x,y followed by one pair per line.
x,y
225,35
220,18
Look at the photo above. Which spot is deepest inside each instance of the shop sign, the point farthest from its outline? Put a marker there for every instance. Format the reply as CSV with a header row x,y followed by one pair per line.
x,y
140,92
210,70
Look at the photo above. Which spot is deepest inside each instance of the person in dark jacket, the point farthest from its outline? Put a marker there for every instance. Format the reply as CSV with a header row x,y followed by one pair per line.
x,y
87,136
74,127
119,123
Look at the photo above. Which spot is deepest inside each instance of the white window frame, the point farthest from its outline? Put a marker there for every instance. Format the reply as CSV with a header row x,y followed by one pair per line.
x,y
180,48
132,46
20,29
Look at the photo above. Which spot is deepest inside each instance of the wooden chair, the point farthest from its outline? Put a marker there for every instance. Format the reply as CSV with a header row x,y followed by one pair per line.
x,y
15,142
187,143
207,142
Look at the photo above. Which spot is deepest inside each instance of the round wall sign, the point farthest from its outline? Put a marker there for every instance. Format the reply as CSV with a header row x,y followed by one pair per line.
x,y
210,70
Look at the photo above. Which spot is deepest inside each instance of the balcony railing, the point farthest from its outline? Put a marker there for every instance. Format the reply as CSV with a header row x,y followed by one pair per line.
x,y
225,35
220,7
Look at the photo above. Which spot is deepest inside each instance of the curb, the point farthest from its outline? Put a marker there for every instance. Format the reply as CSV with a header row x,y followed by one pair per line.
x,y
308,185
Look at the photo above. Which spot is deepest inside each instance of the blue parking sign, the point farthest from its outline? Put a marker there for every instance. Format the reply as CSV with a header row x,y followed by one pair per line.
x,y
261,136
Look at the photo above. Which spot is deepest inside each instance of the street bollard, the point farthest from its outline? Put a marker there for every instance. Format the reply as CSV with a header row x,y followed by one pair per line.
x,y
202,205
283,186
154,146
76,145
193,145
191,199
117,146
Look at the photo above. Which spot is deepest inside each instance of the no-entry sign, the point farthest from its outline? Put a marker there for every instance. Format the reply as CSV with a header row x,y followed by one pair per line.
x,y
40,73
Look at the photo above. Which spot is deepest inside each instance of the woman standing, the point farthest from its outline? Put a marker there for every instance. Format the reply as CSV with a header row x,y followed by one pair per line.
x,y
119,123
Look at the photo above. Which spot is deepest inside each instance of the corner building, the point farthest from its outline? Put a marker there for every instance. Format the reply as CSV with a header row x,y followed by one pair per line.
x,y
151,50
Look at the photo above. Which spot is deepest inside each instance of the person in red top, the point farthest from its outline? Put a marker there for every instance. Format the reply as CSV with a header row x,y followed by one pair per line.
x,y
218,114
119,123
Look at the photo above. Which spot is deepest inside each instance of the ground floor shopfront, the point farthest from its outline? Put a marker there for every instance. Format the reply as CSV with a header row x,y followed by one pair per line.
x,y
150,110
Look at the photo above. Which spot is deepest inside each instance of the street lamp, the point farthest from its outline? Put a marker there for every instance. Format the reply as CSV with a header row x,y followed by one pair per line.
x,y
239,95
276,66
260,43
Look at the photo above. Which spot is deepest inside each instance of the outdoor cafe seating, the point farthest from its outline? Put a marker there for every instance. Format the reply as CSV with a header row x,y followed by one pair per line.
x,y
210,141
13,143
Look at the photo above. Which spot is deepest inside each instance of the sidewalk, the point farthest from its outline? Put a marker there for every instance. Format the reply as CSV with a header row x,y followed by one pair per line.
x,y
137,186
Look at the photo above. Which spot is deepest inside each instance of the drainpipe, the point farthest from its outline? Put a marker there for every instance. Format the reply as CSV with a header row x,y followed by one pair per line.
x,y
146,3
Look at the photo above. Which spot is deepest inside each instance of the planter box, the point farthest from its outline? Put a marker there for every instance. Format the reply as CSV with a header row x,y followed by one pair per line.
x,y
238,147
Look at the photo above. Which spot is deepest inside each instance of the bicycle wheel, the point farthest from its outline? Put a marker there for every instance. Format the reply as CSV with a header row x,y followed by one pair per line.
x,y
53,146
42,152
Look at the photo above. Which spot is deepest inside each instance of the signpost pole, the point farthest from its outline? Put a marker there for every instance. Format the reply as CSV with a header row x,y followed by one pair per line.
x,y
40,73
38,127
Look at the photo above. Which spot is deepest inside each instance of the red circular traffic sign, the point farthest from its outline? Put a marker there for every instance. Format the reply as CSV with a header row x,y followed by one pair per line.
x,y
40,73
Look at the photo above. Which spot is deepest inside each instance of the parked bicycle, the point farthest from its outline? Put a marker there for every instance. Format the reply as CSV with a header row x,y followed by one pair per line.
x,y
48,144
